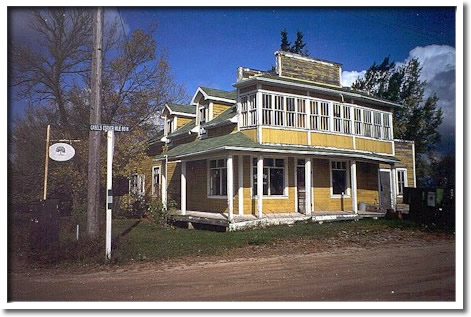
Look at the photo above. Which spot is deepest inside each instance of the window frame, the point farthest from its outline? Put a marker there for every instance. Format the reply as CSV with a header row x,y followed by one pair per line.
x,y
253,167
401,170
140,182
347,179
208,177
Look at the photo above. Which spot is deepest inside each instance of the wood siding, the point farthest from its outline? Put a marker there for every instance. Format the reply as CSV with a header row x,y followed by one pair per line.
x,y
279,136
321,181
367,183
373,145
181,121
174,171
331,140
218,109
250,133
311,70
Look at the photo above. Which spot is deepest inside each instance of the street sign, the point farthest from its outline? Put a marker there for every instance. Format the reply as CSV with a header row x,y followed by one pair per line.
x,y
108,127
61,152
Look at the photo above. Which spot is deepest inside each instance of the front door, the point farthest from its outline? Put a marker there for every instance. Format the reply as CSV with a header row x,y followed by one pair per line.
x,y
384,189
301,185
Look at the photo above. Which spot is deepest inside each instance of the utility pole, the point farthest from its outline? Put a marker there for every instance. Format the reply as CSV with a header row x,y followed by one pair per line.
x,y
94,136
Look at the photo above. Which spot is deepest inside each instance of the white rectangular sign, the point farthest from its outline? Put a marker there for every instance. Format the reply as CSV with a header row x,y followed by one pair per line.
x,y
108,127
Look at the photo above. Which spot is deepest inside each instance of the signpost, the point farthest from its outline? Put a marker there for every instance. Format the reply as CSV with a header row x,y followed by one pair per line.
x,y
110,130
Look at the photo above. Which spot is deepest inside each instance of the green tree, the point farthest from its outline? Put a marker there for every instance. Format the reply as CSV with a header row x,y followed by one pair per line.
x,y
285,45
299,45
419,117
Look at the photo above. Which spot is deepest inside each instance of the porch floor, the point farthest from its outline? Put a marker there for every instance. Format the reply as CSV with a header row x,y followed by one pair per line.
x,y
246,221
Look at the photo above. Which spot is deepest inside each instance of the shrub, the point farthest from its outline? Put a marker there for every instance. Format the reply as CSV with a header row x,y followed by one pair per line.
x,y
157,213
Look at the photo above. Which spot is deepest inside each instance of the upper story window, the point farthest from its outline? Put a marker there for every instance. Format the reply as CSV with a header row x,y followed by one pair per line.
x,y
169,125
202,114
304,112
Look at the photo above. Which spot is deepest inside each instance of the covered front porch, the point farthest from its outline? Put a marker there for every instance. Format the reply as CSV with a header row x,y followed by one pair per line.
x,y
194,219
220,189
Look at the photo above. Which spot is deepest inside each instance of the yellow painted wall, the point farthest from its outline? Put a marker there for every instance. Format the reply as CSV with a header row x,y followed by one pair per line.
x,y
181,121
250,133
373,145
331,140
218,109
321,181
174,181
367,183
279,136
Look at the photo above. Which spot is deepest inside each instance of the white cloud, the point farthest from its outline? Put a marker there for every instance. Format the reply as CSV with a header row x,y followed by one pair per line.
x,y
348,78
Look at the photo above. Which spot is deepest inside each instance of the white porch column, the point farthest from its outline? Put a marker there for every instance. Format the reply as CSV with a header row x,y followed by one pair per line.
x,y
260,186
308,187
230,188
240,182
164,184
183,188
353,178
393,187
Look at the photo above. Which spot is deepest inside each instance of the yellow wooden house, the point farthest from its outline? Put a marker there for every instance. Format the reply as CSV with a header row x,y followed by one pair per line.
x,y
321,151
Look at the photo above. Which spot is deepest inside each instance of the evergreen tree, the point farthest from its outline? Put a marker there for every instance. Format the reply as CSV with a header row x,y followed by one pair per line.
x,y
419,118
299,45
285,45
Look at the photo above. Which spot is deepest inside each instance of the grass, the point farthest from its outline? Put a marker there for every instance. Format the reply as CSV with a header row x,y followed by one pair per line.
x,y
148,242
144,241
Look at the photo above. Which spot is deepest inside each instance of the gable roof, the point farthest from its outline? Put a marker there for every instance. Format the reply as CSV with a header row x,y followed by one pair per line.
x,y
216,94
239,142
231,95
325,88
181,109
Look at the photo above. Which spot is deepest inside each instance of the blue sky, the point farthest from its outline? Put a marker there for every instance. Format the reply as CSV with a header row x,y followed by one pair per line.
x,y
206,45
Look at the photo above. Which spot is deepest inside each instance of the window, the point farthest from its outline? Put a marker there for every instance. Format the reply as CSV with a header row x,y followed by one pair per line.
x,y
252,110
279,110
202,114
377,125
155,180
169,125
367,123
325,116
314,119
401,180
301,113
267,111
386,127
337,118
273,177
357,118
339,177
290,112
137,184
217,177
347,123
244,111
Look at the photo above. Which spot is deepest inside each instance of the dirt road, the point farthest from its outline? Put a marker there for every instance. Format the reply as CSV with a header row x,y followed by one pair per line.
x,y
404,271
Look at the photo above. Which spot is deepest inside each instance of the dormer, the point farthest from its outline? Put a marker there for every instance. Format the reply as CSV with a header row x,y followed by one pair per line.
x,y
210,103
175,116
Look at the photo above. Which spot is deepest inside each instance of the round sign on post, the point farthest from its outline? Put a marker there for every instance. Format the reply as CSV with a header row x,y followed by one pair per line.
x,y
61,152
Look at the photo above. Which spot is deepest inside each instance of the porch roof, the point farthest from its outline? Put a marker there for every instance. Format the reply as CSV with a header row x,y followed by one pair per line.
x,y
239,142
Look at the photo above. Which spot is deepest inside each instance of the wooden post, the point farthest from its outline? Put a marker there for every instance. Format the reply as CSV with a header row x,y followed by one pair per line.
x,y
308,187
353,178
260,187
241,184
164,183
393,187
93,198
109,190
183,189
46,164
230,187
